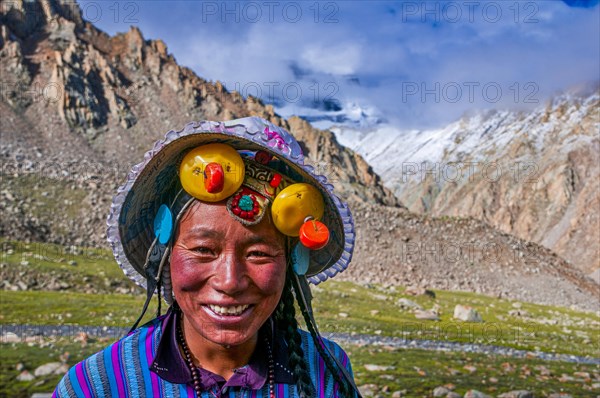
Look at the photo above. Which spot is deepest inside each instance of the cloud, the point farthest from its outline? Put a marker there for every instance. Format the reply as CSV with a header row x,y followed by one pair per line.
x,y
405,60
337,59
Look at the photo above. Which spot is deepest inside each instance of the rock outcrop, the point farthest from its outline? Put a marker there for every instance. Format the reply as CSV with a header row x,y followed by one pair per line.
x,y
78,91
80,107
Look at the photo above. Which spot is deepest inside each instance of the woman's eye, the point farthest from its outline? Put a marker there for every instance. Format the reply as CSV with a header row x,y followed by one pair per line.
x,y
258,253
203,250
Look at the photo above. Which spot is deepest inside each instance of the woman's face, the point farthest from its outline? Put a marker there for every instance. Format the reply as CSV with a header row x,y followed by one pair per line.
x,y
227,277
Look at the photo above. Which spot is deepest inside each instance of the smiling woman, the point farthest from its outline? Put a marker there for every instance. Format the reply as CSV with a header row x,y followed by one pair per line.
x,y
225,223
228,279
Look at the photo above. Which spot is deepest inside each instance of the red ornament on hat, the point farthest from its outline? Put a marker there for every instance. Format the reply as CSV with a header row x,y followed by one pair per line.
x,y
214,177
275,181
314,234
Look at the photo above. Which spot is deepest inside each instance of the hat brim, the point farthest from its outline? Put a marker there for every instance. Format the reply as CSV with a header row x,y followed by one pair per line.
x,y
154,182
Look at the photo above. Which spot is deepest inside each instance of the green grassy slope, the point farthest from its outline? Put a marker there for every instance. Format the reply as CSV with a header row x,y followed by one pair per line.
x,y
340,307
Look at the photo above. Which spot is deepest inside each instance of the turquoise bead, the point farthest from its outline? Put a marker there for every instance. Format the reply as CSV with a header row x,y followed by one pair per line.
x,y
246,203
163,224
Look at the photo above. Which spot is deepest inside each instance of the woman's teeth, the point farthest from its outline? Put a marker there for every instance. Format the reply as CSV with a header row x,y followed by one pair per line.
x,y
236,310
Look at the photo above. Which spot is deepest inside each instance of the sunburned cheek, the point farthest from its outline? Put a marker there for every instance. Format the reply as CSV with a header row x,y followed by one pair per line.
x,y
184,270
270,279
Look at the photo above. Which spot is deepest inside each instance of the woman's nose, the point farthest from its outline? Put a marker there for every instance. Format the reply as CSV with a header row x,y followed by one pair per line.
x,y
230,277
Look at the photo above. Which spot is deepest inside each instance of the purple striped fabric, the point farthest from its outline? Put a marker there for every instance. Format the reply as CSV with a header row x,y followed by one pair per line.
x,y
190,391
321,377
116,363
78,383
150,350
83,381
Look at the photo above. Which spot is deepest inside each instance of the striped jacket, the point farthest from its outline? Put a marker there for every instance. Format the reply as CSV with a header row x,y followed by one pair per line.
x,y
131,367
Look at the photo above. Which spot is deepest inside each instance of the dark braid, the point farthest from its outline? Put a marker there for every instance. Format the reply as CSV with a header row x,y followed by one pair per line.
x,y
344,389
285,316
285,319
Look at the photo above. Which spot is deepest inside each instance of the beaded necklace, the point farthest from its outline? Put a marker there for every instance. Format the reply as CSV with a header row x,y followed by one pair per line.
x,y
196,373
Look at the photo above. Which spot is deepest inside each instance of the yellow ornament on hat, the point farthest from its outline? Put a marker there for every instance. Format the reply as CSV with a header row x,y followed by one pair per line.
x,y
293,205
212,172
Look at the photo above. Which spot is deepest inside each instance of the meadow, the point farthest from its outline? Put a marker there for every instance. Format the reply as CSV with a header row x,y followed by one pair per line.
x,y
89,297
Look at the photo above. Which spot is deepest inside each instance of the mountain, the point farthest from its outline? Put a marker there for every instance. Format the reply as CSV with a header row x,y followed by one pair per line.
x,y
397,247
533,174
80,107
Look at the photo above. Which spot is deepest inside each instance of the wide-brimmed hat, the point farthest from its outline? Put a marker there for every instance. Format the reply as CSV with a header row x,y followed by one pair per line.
x,y
155,182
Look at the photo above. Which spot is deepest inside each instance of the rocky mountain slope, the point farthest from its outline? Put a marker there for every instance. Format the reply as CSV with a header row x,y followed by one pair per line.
x,y
79,107
74,93
534,174
397,247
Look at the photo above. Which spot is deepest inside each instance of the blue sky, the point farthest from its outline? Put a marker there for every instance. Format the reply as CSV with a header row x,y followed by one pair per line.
x,y
415,64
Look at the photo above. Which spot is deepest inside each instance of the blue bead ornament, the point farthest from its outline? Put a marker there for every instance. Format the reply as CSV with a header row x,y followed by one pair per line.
x,y
163,224
301,259
246,203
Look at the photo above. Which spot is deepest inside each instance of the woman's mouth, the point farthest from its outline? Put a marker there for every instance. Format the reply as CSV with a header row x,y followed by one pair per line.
x,y
229,310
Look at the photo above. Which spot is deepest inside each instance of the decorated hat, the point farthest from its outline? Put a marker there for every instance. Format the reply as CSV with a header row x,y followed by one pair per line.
x,y
256,167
